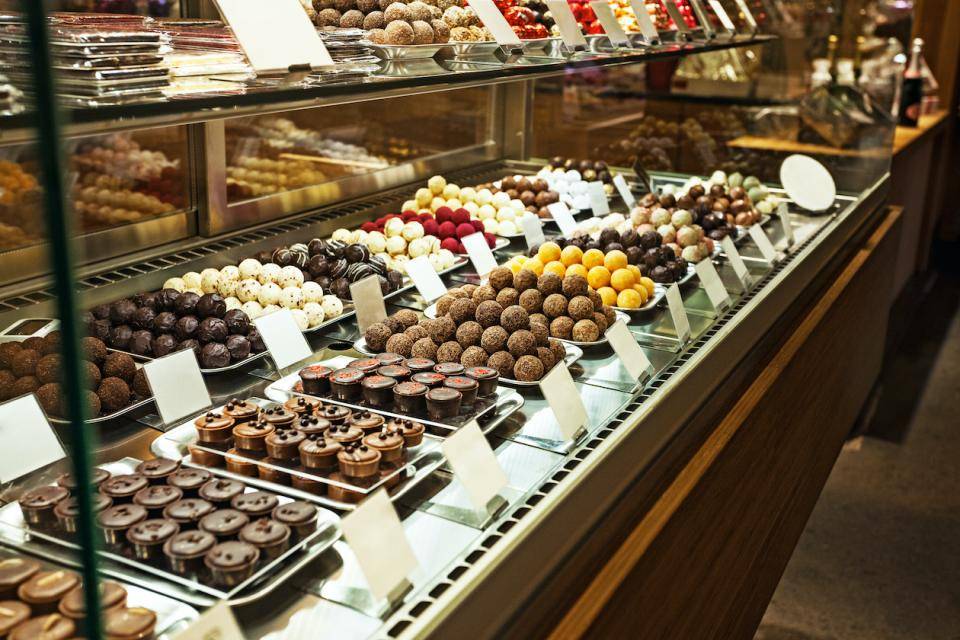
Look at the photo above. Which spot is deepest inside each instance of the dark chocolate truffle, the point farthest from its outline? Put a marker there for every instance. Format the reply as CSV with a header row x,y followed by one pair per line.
x,y
7,380
24,362
211,305
214,355
239,347
547,357
119,365
190,343
25,385
186,327
186,304
473,357
114,394
48,368
500,278
140,385
237,322
120,337
468,334
494,339
521,343
503,362
488,313
528,369
121,312
49,398
424,348
514,318
399,343
256,341
562,328
212,330
163,345
141,343
8,350
449,352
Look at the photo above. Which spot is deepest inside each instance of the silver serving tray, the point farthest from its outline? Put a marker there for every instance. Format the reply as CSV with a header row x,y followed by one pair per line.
x,y
404,52
172,615
469,49
188,589
502,242
537,44
659,291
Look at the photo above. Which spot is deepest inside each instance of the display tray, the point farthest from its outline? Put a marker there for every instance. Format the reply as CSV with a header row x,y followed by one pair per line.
x,y
502,242
172,615
404,52
469,49
538,44
195,588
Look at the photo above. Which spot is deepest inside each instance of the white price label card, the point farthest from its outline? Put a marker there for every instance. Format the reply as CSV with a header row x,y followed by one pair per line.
x,y
598,198
676,16
747,15
762,240
631,355
216,623
784,214
532,230
569,30
283,338
177,385
646,25
564,399
29,441
561,214
480,254
474,464
681,323
608,21
722,16
711,282
624,190
425,278
368,302
736,261
376,536
493,20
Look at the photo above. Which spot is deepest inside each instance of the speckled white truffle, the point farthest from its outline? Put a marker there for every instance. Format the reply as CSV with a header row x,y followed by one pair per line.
x,y
177,284
232,303
191,280
228,288
252,308
230,272
301,319
248,290
269,273
418,247
250,268
270,308
290,276
270,294
312,292
315,313
332,307
209,280
291,297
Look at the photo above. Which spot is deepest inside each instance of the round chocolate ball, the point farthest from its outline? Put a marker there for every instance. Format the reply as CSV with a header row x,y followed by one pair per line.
x,y
186,327
212,330
528,369
468,334
114,394
449,352
141,343
237,322
214,355
186,304
488,313
211,305
256,341
191,344
549,284
507,297
120,337
119,365
93,349
483,293
524,280
494,339
239,348
500,277
514,318
562,328
400,343
503,362
376,336
424,348
121,312
163,345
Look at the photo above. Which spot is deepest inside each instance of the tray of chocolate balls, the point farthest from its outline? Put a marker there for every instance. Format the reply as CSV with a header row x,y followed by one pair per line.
x,y
177,530
41,598
321,452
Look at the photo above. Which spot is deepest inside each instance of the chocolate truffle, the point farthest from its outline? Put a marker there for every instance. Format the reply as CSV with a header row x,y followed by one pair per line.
x,y
140,385
214,355
9,349
531,300
503,362
186,327
212,330
394,324
473,357
468,333
237,322
555,305
7,380
541,318
211,305
549,284
24,362
416,332
575,285
449,352
422,32
441,329
165,322
328,18
494,339
609,314
114,394
462,310
396,11
141,343
558,350
48,368
508,296
186,304
483,293
119,365
190,344
424,348
441,30
524,280
122,311
144,317
398,31
373,20
562,328
408,317
101,330
541,333
443,304
399,343
585,331
256,341
239,348
376,336
49,396
352,19
514,318
528,369
580,308
488,313
25,385
601,321
119,337
521,343
500,278
547,357
163,345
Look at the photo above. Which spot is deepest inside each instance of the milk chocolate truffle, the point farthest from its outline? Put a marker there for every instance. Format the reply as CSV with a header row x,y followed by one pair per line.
x,y
488,313
601,321
575,286
473,357
528,369
163,345
394,324
500,278
214,355
9,349
562,328
239,348
462,310
521,343
443,304
352,19
468,333
140,385
483,293
376,336
441,329
609,314
328,18
49,398
555,305
7,380
558,350
531,300
48,368
514,318
503,362
524,280
494,339
549,284
398,31
595,299
408,317
541,333
547,357
580,308
211,305
416,332
422,32
449,352
376,36
119,365
114,394
396,11
441,30
507,297
399,343
24,362
585,331
424,348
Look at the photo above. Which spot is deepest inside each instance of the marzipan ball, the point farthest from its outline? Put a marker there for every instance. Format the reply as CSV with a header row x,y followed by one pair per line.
x,y
24,362
93,350
374,20
328,18
558,350
500,278
575,286
140,385
449,352
49,398
545,355
488,313
25,385
601,321
422,32
580,308
352,19
514,318
114,394
399,32
468,334
396,11
555,305
119,365
521,343
473,357
503,362
376,336
586,331
424,348
541,332
462,310
400,344
528,369
7,351
483,293
408,317
416,332
494,339
524,279
562,328
441,329
443,304
549,284
507,297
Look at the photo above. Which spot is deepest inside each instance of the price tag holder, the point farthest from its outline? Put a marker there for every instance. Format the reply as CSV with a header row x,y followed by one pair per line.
x,y
29,442
475,465
736,261
647,28
425,278
480,254
368,301
283,338
569,31
377,539
674,11
703,18
532,230
784,216
216,623
631,355
624,190
564,219
493,20
681,322
711,282
611,27
747,16
598,198
724,19
762,240
177,385
564,399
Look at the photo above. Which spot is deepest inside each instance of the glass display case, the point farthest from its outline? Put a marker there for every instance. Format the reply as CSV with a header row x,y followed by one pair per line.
x,y
192,221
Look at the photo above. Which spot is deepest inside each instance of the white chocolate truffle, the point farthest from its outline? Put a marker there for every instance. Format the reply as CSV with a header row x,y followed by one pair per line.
x,y
507,213
312,292
409,205
484,196
270,294
396,245
209,280
490,225
467,194
486,212
301,319
191,280
228,288
394,227
446,258
412,230
423,197
270,308
500,199
436,203
232,302
332,307
436,262
508,228
250,268
252,308
376,242
291,297
315,313
436,184
269,273
230,272
290,276
454,203
342,235
472,207
418,247
451,191
248,290
177,284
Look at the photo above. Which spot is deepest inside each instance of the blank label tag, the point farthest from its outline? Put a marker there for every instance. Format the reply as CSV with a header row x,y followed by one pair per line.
x,y
283,338
493,20
480,254
676,16
474,464
532,230
608,21
177,385
762,240
647,28
216,623
784,215
598,198
561,214
569,31
739,268
722,16
368,301
678,313
624,190
631,355
711,282
747,15
377,538
565,401
29,441
425,278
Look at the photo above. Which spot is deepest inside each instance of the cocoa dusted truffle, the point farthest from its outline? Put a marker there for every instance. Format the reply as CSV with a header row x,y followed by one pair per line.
x,y
441,30
328,18
555,305
488,313
580,308
549,284
400,343
119,365
49,396
531,300
562,328
541,332
500,278
7,380
10,349
524,280
528,369
503,362
48,368
441,329
398,31
609,314
473,357
214,355
373,20
416,332
422,32
25,385
494,339
443,304
541,318
558,350
376,336
508,296
483,293
396,11
352,19
468,333
114,394
586,331
521,343
424,348
24,362
408,317
547,357
514,318
462,310
575,285
449,352
140,385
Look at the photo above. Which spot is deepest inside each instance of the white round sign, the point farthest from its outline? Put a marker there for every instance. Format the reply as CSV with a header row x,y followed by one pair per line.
x,y
808,183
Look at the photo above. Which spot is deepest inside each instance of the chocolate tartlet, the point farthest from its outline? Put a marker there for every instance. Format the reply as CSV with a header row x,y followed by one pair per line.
x,y
240,410
309,425
283,445
367,421
335,414
270,469
149,536
411,431
189,511
53,626
388,358
466,386
271,538
237,462
221,492
302,406
345,383
157,471
308,485
256,504
487,379
300,516
122,488
408,397
157,498
359,461
224,523
214,428
278,416
135,623
443,403
14,572
378,390
68,511
98,477
417,365
205,457
388,443
252,436
44,590
345,434
189,480
429,379
396,371
112,595
185,551
316,379
230,563
449,368
317,452
38,505
366,365
341,493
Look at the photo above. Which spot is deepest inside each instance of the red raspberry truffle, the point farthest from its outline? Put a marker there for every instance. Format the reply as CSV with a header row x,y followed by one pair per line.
x,y
447,229
461,216
450,244
465,229
444,214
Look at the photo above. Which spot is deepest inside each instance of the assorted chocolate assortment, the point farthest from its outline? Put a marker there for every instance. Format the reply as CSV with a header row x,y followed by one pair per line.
x,y
180,519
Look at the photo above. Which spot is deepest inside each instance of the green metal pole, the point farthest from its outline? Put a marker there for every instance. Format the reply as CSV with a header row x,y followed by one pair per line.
x,y
59,232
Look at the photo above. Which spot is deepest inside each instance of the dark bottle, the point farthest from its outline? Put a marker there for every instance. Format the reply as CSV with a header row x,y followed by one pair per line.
x,y
911,95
